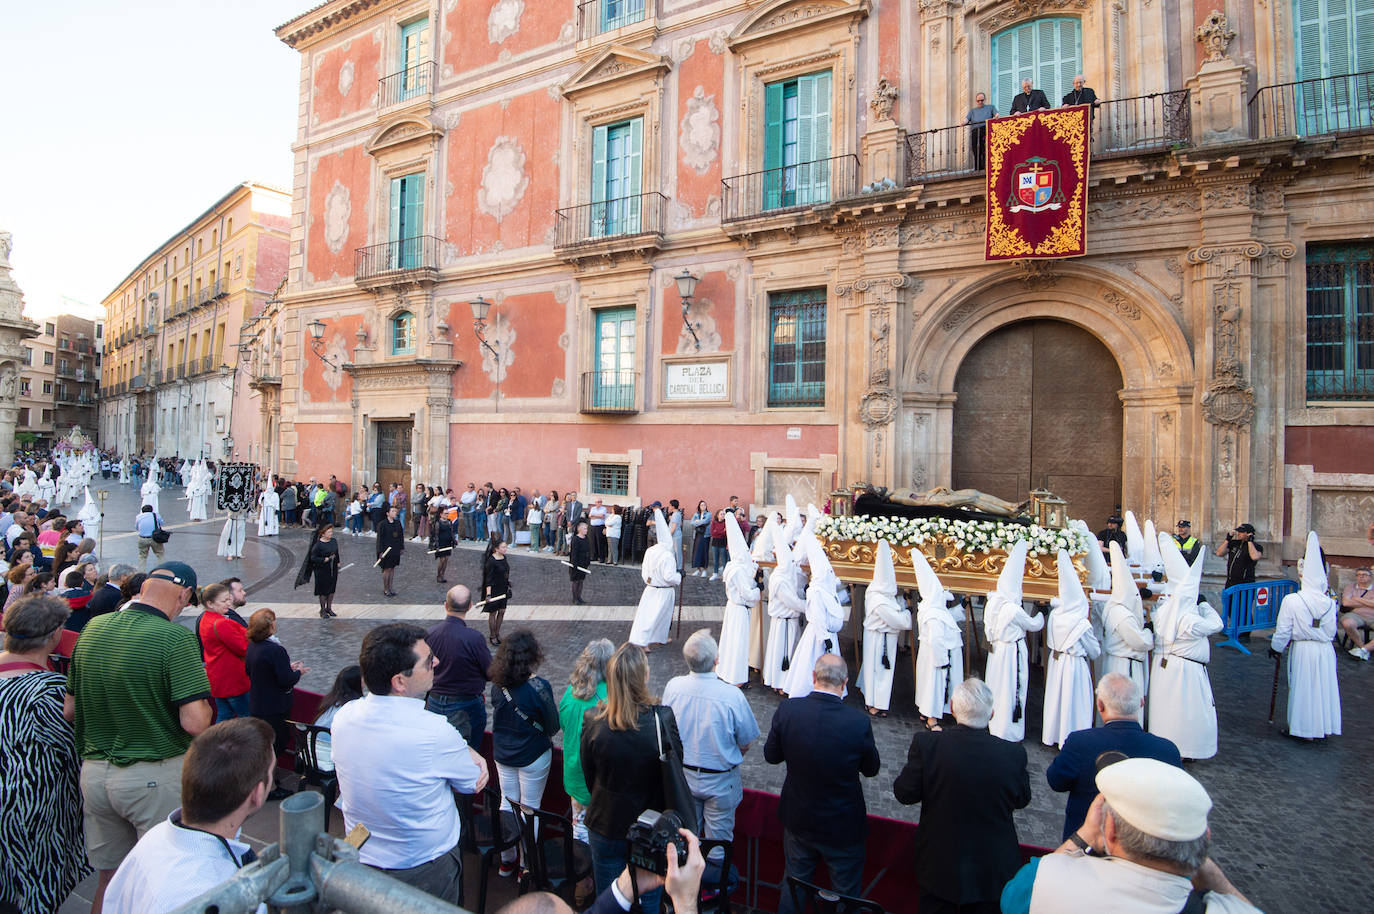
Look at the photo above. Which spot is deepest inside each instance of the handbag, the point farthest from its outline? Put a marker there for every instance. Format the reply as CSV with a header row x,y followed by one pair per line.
x,y
159,534
677,796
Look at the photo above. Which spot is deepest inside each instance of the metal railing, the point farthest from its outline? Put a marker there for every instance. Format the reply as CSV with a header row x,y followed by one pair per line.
x,y
1340,355
1137,125
1333,105
181,372
409,83
418,253
608,391
595,17
625,216
791,187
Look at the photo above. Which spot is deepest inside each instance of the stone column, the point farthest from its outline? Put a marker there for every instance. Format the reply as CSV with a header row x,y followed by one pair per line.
x,y
14,329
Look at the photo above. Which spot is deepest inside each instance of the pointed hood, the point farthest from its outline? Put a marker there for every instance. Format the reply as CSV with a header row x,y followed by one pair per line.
x,y
1184,583
1072,602
1099,575
815,557
1151,560
1123,585
1175,565
762,550
1010,581
782,552
884,575
734,537
794,520
47,472
1135,540
1313,568
813,517
934,597
89,512
661,528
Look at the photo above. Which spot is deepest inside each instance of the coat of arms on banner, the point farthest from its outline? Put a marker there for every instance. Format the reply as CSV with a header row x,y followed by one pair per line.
x,y
1037,186
234,486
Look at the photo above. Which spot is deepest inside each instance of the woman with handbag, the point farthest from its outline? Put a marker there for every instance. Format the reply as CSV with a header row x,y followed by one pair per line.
x,y
524,720
626,744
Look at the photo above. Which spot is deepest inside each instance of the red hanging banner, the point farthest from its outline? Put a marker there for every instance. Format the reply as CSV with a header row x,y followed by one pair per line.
x,y
1037,190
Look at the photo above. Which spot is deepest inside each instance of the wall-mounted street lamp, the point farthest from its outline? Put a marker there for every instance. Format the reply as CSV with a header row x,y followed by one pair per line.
x,y
316,328
686,285
480,308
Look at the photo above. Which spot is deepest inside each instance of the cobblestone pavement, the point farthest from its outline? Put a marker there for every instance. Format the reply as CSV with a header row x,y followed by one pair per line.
x,y
1287,826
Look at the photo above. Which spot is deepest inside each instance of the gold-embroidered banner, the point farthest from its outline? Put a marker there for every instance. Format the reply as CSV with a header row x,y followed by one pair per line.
x,y
1037,188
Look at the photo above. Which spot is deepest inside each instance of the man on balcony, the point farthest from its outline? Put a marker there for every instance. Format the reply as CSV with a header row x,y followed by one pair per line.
x,y
1029,98
1082,95
977,121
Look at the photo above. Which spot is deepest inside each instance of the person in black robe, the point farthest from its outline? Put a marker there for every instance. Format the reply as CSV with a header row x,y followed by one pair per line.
x,y
391,542
579,557
441,542
495,586
324,565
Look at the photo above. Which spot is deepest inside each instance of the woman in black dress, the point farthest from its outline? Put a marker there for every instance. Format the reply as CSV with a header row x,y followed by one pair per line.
x,y
272,677
324,565
391,542
441,541
495,586
579,557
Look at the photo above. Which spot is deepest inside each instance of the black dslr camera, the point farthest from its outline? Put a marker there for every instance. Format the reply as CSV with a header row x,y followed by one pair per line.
x,y
650,837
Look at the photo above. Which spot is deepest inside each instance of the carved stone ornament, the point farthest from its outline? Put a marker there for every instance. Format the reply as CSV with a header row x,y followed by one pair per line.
x,y
1229,402
1214,35
884,97
877,408
1037,275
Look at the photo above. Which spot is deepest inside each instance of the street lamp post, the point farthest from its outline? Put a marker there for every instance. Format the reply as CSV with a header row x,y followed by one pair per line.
x,y
686,285
480,307
316,328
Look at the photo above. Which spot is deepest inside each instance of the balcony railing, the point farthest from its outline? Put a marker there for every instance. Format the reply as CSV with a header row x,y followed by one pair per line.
x,y
791,187
409,83
1138,125
609,391
609,219
399,259
1334,105
207,364
597,16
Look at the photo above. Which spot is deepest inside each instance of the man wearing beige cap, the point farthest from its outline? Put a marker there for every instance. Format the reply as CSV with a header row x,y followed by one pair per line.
x,y
1142,850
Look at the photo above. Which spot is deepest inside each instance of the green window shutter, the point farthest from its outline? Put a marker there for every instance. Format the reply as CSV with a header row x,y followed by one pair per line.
x,y
393,232
414,43
1309,39
1003,70
634,177
599,163
820,134
772,126
415,199
1363,37
1337,38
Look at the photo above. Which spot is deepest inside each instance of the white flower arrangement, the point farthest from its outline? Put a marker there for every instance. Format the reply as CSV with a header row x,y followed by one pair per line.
x,y
965,535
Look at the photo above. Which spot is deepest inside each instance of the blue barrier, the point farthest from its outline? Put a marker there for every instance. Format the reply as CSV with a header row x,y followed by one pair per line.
x,y
1251,607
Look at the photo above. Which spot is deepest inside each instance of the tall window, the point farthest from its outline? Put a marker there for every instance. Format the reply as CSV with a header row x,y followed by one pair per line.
x,y
1335,38
613,383
1340,322
796,348
615,13
796,152
414,51
403,333
407,222
617,164
1049,52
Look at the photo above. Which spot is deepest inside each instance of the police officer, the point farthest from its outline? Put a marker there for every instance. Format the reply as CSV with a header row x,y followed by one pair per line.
x,y
1188,544
1113,532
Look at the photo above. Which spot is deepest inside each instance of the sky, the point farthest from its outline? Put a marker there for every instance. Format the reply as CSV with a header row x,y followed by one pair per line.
x,y
123,120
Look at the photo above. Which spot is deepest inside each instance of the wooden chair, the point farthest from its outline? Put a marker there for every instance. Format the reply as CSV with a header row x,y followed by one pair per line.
x,y
715,894
812,899
308,766
486,833
554,860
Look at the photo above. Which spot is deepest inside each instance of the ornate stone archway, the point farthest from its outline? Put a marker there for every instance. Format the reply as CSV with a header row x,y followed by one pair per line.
x,y
1142,331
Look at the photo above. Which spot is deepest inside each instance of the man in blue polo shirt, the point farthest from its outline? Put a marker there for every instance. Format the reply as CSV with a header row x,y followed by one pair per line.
x,y
460,670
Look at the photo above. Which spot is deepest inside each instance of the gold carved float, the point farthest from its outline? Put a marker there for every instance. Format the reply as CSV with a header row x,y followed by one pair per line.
x,y
961,571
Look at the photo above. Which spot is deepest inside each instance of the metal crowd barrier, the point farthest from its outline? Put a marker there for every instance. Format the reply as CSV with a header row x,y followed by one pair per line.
x,y
1252,608
309,870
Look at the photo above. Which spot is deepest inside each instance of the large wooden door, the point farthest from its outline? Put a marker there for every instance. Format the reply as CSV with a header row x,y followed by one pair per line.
x,y
1038,405
393,454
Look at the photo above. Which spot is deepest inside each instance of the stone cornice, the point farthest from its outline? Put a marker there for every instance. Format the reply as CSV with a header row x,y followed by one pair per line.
x,y
316,22
411,374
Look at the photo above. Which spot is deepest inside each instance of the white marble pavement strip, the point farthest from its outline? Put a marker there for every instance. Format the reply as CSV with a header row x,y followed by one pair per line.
x,y
544,613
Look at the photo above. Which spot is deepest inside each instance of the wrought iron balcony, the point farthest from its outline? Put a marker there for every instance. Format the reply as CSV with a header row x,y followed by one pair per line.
x,y
413,82
1333,106
805,185
401,262
621,223
609,391
595,17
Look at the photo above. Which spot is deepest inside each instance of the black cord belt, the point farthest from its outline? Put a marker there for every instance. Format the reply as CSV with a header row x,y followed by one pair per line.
x,y
709,770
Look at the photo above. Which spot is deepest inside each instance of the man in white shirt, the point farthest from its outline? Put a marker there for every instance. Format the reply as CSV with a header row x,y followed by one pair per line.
x,y
224,780
399,764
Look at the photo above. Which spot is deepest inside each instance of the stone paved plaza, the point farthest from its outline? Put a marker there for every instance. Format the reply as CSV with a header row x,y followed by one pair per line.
x,y
1291,819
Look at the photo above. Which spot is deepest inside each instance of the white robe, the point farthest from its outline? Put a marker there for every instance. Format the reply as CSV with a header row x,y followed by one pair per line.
x,y
824,618
1008,670
90,517
199,495
1182,709
939,660
1314,698
124,471
884,619
654,616
1068,679
268,504
1126,645
742,598
149,492
785,608
47,489
232,536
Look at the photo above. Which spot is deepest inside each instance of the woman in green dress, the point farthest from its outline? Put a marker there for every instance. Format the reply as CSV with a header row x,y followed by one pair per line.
x,y
586,689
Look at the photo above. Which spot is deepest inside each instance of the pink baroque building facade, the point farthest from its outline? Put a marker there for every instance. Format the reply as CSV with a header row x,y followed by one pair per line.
x,y
803,170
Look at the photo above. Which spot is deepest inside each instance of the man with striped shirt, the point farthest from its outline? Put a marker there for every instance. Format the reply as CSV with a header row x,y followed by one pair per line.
x,y
141,694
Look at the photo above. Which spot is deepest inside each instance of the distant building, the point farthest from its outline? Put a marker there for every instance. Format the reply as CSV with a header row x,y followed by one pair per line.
x,y
77,380
174,325
37,385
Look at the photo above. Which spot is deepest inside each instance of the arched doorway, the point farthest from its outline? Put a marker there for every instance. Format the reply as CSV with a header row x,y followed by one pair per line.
x,y
1038,405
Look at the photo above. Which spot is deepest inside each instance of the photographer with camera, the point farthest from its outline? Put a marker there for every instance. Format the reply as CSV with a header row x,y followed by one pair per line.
x,y
1242,554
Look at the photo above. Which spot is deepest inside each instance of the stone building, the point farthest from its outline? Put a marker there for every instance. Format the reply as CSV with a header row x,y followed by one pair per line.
x,y
805,164
37,387
15,330
174,326
77,375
